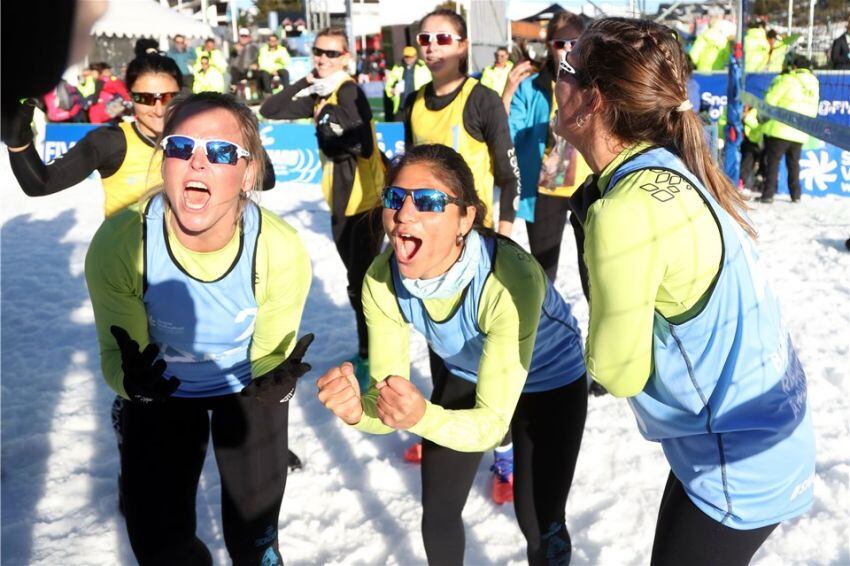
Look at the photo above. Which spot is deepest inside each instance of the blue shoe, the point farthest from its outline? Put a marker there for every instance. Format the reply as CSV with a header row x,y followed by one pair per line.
x,y
361,371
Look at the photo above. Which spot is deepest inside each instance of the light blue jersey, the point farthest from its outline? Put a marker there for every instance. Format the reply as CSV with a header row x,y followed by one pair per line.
x,y
727,396
557,359
203,329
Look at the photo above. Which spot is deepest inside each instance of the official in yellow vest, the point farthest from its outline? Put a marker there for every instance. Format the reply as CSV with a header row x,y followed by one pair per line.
x,y
208,78
215,56
710,50
779,48
272,60
495,76
756,48
353,165
455,110
796,90
405,79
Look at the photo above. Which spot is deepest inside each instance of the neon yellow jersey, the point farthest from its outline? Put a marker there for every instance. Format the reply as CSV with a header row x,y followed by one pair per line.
x,y
651,244
508,314
446,127
114,274
140,171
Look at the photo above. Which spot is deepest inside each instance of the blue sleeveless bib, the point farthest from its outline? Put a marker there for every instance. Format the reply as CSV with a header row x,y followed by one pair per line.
x,y
727,397
203,329
557,358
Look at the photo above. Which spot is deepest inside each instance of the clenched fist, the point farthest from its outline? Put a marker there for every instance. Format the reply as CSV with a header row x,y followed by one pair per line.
x,y
340,393
400,403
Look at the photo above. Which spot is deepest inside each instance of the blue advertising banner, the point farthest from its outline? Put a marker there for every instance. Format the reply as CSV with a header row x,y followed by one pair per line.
x,y
824,170
295,155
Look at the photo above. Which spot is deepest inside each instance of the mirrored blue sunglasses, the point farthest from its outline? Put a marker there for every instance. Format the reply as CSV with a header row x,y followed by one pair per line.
x,y
424,200
219,152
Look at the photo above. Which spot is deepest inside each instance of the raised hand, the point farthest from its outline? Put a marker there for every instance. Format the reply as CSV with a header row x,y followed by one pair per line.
x,y
400,404
143,380
278,385
340,393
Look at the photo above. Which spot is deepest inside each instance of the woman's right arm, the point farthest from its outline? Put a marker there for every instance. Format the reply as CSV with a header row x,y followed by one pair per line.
x,y
102,149
285,106
114,278
388,341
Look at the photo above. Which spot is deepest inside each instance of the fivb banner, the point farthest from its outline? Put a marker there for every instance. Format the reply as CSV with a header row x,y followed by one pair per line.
x,y
824,170
292,147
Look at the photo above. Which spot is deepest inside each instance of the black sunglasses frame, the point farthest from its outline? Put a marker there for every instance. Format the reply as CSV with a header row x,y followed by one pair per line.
x,y
329,53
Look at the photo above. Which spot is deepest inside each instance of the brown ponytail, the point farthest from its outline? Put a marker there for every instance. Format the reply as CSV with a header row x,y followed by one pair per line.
x,y
641,72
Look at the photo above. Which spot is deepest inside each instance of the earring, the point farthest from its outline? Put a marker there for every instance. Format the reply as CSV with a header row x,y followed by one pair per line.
x,y
459,240
582,120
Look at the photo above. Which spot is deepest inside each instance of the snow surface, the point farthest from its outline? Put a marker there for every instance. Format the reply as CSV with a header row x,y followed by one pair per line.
x,y
357,501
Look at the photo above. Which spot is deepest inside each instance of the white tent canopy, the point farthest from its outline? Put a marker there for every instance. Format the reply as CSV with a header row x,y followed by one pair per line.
x,y
147,18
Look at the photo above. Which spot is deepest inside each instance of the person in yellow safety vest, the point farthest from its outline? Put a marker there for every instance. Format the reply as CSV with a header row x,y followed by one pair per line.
x,y
405,79
495,76
796,90
779,47
710,51
751,149
215,56
273,60
208,78
756,48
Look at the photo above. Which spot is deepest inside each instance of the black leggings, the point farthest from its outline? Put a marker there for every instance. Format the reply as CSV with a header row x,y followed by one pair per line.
x,y
163,450
547,430
546,233
686,535
358,241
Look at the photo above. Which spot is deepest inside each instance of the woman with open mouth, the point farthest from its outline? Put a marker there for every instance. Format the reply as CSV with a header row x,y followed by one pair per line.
x,y
508,347
683,322
197,295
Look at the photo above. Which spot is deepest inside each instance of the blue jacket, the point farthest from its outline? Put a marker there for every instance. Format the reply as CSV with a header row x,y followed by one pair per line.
x,y
531,107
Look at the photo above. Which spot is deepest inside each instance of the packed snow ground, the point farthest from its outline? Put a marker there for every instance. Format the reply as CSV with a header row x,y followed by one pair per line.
x,y
357,501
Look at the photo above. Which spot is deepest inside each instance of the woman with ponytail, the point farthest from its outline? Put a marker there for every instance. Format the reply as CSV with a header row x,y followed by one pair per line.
x,y
682,321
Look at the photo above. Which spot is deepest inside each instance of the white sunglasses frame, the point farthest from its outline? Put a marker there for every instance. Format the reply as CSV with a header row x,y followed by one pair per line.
x,y
432,36
202,142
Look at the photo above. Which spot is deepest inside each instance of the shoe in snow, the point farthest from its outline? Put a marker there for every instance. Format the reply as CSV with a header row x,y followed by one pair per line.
x,y
414,453
294,462
503,477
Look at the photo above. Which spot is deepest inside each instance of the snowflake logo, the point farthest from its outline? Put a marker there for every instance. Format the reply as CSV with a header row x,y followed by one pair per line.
x,y
817,171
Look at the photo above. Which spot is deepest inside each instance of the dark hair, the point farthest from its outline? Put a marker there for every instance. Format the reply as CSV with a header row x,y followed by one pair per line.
x,y
562,20
640,70
100,67
334,32
452,170
771,34
185,107
459,24
145,45
152,63
801,62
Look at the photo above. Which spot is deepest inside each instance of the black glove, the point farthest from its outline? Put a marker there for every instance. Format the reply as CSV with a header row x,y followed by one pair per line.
x,y
278,385
17,131
143,379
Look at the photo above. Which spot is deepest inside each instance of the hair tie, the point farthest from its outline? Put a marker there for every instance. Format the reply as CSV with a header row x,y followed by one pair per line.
x,y
684,106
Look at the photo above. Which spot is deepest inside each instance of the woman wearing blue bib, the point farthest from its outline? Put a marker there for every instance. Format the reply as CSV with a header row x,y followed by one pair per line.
x,y
682,320
508,348
197,295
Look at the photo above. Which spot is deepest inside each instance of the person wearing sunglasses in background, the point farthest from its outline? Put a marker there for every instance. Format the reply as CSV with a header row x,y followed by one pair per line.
x,y
353,166
198,295
508,348
682,319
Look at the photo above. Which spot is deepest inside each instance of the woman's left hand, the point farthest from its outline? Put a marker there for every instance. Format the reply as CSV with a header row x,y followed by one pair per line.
x,y
400,403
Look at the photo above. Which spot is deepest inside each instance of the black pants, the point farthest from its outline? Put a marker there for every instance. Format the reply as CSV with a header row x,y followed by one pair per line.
x,y
546,233
686,535
750,158
266,79
358,240
164,445
547,428
774,149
